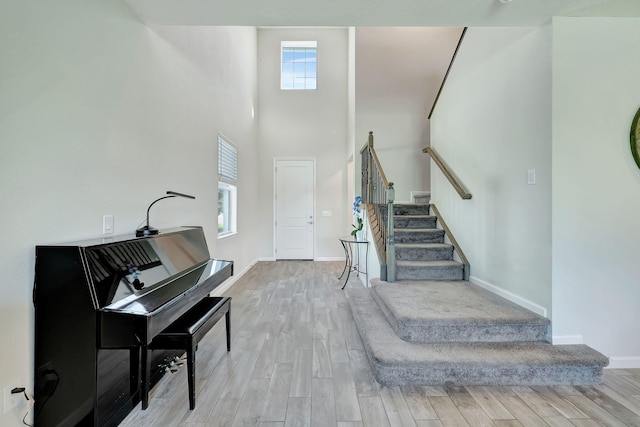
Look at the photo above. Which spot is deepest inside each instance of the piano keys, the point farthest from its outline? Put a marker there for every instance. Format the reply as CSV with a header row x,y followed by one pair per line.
x,y
97,304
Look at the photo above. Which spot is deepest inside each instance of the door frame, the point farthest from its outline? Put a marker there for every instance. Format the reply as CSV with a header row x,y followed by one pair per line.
x,y
274,194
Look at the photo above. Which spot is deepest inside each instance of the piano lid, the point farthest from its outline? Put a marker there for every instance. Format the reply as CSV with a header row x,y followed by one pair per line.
x,y
125,269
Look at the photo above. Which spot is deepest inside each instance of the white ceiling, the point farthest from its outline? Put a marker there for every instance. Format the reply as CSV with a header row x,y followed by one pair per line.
x,y
371,12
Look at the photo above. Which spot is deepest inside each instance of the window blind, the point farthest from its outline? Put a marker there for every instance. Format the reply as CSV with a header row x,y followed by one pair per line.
x,y
227,162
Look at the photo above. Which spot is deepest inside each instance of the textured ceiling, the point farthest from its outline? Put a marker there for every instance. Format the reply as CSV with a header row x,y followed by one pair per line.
x,y
360,12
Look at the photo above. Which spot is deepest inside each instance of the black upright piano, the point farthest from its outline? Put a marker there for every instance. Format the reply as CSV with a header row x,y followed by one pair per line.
x,y
97,304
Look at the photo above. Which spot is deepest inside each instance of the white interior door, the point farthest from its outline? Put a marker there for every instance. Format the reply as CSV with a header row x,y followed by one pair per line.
x,y
295,197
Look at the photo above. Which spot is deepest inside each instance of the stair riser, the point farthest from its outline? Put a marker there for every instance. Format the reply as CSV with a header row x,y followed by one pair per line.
x,y
424,254
411,209
414,222
475,333
430,374
435,236
429,273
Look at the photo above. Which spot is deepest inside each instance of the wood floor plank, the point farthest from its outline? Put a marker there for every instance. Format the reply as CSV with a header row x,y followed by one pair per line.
x,y
252,403
366,384
396,407
266,360
418,403
298,412
447,412
321,359
521,411
302,374
594,411
428,423
508,423
585,422
275,407
241,374
540,405
338,347
621,383
490,403
347,406
628,402
373,412
610,405
323,404
352,336
469,407
223,413
560,403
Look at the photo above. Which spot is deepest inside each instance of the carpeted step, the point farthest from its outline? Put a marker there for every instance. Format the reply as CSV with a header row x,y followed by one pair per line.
x,y
411,209
414,221
455,311
396,362
419,235
423,251
429,270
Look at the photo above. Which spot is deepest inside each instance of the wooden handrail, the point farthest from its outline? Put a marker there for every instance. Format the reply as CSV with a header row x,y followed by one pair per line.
x,y
454,242
385,182
455,181
444,80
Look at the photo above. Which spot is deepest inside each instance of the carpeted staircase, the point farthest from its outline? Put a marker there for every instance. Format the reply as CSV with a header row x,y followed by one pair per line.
x,y
432,328
420,249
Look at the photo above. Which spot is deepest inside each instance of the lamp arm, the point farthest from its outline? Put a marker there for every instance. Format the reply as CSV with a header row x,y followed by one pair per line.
x,y
153,203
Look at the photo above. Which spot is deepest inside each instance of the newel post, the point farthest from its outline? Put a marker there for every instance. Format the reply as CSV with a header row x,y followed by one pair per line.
x,y
370,169
391,248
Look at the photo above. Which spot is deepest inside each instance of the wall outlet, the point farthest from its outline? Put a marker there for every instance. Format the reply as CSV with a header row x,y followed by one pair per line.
x,y
9,400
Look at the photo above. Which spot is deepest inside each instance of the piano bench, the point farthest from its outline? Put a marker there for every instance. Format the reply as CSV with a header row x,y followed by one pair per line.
x,y
185,334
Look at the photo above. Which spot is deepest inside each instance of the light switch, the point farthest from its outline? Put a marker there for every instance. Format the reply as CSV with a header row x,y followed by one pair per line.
x,y
107,224
531,177
327,213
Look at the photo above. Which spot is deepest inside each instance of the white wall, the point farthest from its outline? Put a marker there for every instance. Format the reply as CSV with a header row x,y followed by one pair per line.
x,y
398,73
101,115
491,125
596,185
305,124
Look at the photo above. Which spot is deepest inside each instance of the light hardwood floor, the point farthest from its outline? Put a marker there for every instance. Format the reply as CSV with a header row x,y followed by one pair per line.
x,y
296,360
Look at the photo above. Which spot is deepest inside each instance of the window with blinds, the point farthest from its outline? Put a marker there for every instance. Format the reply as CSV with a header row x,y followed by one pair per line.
x,y
227,187
227,161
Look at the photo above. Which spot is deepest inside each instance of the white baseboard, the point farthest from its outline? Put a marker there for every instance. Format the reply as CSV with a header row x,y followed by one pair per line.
x,y
567,339
531,306
227,284
624,362
322,258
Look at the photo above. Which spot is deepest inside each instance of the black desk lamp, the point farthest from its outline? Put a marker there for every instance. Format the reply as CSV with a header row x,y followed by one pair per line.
x,y
149,231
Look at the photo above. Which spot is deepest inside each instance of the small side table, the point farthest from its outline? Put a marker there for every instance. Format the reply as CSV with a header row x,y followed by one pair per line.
x,y
349,243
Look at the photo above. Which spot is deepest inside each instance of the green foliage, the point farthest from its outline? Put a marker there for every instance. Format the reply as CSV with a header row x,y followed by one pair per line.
x,y
357,227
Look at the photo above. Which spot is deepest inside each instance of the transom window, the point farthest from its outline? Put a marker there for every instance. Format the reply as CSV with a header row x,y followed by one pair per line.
x,y
299,65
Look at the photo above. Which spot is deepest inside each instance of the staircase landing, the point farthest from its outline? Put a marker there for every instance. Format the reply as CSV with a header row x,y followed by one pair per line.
x,y
447,357
449,311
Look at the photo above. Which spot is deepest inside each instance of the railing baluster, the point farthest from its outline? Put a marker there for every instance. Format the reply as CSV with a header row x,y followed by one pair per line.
x,y
391,248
